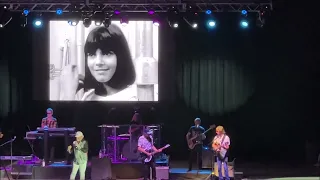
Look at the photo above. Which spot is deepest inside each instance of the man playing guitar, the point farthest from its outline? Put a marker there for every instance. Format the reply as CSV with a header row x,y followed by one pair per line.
x,y
145,146
221,144
198,131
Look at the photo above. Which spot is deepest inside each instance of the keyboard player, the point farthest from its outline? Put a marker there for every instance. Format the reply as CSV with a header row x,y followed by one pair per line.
x,y
50,122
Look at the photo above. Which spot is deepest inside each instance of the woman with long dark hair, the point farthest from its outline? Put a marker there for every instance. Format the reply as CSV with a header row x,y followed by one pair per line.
x,y
109,69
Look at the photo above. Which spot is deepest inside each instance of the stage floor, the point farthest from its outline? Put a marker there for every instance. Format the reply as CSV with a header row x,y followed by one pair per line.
x,y
178,171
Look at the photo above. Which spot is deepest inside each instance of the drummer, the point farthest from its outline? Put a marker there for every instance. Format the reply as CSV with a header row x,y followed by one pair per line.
x,y
136,127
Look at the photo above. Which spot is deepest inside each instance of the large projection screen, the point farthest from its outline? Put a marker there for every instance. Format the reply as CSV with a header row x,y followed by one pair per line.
x,y
99,63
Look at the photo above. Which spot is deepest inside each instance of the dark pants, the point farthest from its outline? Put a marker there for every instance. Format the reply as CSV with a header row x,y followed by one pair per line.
x,y
196,154
146,170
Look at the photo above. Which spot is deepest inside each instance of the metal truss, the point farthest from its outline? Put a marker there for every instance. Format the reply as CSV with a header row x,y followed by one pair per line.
x,y
42,6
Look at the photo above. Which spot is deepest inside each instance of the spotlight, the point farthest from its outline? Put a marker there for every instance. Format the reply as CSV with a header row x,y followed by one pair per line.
x,y
86,18
151,12
59,11
194,25
73,22
98,23
211,23
117,12
156,22
244,12
244,23
26,12
208,11
175,25
37,23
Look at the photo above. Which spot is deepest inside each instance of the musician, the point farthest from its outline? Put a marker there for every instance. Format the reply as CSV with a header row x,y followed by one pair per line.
x,y
80,149
50,122
145,146
221,144
196,130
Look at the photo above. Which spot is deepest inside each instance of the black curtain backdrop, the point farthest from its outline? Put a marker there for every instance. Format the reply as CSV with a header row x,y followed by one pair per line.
x,y
261,84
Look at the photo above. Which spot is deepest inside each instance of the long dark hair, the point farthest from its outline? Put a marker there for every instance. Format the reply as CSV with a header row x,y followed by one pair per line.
x,y
109,39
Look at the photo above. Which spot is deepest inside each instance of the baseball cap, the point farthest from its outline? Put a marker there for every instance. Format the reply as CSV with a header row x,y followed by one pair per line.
x,y
79,134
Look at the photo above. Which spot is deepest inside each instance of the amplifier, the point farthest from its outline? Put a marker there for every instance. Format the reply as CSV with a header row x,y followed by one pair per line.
x,y
162,172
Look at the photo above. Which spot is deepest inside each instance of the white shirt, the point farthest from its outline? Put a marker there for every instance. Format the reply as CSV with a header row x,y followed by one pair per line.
x,y
217,139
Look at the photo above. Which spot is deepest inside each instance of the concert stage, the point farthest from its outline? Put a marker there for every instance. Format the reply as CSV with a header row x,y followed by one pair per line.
x,y
178,171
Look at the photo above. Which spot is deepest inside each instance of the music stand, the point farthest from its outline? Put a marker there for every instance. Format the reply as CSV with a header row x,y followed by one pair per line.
x,y
212,166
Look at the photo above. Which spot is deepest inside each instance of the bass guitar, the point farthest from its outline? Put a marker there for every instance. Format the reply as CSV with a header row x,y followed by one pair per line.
x,y
191,141
147,158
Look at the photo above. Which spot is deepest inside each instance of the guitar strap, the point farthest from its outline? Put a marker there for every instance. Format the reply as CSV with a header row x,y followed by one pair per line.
x,y
222,141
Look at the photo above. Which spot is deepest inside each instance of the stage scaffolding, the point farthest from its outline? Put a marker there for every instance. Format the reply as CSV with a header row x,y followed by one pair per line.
x,y
42,6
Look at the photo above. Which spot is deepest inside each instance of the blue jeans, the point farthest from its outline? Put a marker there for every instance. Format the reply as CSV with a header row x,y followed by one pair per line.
x,y
223,163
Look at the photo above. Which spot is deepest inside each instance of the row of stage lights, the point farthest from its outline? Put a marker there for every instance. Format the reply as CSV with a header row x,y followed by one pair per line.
x,y
105,18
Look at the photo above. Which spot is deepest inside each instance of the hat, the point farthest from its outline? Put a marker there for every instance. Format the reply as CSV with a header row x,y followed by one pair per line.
x,y
148,131
79,134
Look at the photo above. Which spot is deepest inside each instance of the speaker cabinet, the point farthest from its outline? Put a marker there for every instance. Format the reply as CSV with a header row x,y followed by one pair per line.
x,y
230,170
162,172
101,168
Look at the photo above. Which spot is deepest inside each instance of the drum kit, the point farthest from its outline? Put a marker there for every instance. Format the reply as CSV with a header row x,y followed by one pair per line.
x,y
120,142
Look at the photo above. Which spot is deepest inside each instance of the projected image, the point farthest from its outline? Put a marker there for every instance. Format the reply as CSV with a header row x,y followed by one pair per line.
x,y
98,63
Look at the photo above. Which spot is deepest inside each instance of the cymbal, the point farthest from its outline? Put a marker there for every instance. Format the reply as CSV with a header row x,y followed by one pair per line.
x,y
108,126
124,135
152,126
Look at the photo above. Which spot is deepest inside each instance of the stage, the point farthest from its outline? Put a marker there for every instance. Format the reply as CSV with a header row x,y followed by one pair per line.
x,y
177,171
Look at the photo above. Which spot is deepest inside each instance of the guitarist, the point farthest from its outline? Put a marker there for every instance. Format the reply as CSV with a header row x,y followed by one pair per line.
x,y
221,144
196,130
145,146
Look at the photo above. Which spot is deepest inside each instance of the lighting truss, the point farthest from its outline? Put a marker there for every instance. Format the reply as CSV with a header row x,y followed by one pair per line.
x,y
42,6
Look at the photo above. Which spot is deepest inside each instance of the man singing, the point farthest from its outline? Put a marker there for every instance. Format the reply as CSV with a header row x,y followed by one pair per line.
x,y
80,149
145,145
194,131
221,144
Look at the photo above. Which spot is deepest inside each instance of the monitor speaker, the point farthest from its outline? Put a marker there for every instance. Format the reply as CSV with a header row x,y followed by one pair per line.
x,y
101,169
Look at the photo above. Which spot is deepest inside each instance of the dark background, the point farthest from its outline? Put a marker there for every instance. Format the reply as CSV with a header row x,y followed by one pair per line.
x,y
269,107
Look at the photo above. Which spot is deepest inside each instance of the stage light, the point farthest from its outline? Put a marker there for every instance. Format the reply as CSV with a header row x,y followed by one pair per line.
x,y
208,11
117,12
156,23
244,12
97,23
151,12
175,25
194,25
37,23
107,22
26,12
211,23
59,11
244,23
73,22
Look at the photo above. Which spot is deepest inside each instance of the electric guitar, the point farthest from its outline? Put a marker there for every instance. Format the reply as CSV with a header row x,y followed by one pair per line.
x,y
191,141
148,158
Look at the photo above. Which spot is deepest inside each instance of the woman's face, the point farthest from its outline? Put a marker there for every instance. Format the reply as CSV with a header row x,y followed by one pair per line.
x,y
102,65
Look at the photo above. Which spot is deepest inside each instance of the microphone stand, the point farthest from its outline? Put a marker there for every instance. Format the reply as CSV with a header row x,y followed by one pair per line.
x,y
10,141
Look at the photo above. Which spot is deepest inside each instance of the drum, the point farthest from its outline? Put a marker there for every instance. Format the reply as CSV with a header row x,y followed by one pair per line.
x,y
131,153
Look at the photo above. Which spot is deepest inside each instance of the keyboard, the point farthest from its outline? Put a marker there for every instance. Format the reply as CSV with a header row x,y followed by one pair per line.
x,y
16,158
57,129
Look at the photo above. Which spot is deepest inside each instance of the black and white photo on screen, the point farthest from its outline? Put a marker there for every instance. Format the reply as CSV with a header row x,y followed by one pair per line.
x,y
98,63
